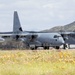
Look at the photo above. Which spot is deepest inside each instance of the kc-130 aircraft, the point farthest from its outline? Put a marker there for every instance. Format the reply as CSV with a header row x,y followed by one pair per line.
x,y
69,38
32,39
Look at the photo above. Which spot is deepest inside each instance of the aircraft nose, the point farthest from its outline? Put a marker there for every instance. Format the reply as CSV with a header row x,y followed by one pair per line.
x,y
62,41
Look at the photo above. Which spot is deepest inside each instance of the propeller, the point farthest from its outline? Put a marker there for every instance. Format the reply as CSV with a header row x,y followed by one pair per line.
x,y
64,35
17,37
31,37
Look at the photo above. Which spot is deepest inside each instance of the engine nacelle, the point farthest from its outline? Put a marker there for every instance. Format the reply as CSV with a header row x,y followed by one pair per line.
x,y
31,37
2,39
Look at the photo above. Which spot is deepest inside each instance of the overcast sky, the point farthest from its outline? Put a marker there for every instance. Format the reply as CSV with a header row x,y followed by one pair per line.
x,y
36,14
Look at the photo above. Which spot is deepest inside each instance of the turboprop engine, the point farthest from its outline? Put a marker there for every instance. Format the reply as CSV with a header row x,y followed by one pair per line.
x,y
2,39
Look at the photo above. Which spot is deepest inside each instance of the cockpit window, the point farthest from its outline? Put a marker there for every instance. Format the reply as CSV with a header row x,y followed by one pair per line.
x,y
55,36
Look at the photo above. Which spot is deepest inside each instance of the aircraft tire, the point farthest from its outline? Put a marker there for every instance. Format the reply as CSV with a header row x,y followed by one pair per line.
x,y
64,46
46,47
33,48
57,47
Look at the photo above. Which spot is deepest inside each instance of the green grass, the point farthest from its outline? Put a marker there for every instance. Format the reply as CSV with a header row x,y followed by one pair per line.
x,y
47,62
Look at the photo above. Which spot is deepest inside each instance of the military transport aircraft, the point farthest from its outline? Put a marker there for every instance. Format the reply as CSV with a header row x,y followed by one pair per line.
x,y
32,39
69,38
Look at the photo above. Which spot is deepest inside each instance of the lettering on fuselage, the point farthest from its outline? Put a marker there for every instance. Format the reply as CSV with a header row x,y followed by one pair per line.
x,y
20,29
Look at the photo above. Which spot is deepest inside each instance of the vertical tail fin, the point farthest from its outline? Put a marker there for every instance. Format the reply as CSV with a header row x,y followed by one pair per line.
x,y
16,23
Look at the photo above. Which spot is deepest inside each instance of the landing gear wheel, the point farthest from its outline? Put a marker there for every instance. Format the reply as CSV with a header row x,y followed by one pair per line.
x,y
33,48
64,46
46,47
57,47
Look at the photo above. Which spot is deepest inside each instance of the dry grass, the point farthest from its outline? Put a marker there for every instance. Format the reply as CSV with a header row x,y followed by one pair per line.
x,y
37,62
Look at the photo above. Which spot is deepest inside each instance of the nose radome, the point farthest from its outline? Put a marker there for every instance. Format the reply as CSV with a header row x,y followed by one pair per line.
x,y
62,40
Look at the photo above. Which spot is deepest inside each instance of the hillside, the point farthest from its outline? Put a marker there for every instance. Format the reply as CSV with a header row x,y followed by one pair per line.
x,y
68,27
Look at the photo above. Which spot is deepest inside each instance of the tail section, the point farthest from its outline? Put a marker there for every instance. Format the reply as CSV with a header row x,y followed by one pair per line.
x,y
16,23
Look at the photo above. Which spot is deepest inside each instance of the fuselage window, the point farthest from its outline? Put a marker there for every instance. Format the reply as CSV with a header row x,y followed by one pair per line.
x,y
55,36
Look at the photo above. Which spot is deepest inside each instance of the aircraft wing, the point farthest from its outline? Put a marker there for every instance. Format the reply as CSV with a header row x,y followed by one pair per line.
x,y
7,34
27,33
11,34
66,33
